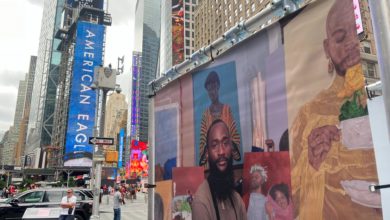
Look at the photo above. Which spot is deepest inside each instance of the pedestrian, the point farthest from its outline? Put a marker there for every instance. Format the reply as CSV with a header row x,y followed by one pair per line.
x,y
100,195
117,204
6,192
11,190
68,205
123,193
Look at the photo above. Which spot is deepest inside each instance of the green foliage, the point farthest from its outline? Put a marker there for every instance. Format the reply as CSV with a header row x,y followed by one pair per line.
x,y
2,184
352,108
72,182
185,206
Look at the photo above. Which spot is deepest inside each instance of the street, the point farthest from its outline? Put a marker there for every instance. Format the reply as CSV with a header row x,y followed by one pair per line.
x,y
134,210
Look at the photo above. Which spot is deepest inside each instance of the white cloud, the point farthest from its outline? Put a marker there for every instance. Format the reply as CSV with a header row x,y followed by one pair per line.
x,y
120,40
8,95
18,41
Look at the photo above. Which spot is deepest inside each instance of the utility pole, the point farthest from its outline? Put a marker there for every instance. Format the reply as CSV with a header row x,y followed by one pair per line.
x,y
104,81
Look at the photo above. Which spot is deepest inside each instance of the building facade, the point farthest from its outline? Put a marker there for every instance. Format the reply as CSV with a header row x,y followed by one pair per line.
x,y
212,18
115,120
21,142
151,11
367,45
11,150
8,147
176,16
34,131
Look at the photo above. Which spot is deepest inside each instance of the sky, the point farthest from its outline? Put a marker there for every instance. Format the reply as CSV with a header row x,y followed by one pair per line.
x,y
19,39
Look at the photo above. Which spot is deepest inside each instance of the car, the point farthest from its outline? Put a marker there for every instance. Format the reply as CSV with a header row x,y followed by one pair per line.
x,y
14,208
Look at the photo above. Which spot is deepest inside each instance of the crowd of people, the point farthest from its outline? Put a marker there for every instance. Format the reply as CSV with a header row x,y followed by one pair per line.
x,y
128,191
9,192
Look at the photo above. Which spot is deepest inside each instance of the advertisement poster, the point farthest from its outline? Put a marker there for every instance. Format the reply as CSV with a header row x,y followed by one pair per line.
x,y
177,32
82,101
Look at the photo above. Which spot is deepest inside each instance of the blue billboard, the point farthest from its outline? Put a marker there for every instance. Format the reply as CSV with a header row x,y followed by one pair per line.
x,y
82,101
86,3
121,137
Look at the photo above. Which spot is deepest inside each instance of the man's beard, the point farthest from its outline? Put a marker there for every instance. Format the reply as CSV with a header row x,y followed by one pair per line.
x,y
221,182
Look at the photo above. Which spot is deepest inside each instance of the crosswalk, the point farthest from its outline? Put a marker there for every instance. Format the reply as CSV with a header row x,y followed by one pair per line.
x,y
134,210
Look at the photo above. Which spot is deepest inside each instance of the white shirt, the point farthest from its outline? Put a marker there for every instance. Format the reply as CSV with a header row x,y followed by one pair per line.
x,y
256,207
64,200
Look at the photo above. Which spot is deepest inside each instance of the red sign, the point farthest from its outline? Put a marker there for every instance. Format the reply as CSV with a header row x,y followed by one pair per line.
x,y
138,145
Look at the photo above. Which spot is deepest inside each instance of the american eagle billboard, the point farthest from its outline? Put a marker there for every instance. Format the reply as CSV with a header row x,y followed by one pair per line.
x,y
82,102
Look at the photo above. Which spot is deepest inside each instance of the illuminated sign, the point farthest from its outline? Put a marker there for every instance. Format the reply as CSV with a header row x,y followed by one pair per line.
x,y
82,101
358,16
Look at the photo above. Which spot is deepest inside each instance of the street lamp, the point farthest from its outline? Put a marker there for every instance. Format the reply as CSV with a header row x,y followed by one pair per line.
x,y
104,81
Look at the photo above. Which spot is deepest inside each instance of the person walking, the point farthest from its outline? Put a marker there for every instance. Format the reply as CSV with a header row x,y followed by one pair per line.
x,y
117,204
68,205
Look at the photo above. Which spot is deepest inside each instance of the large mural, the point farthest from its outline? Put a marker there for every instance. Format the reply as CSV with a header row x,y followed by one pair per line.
x,y
274,124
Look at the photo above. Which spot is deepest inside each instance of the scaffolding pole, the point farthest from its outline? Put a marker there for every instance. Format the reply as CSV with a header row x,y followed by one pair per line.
x,y
380,14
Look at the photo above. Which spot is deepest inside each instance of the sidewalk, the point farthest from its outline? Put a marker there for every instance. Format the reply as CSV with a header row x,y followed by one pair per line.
x,y
134,210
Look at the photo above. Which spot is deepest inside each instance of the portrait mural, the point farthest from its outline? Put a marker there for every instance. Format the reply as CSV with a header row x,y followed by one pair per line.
x,y
275,128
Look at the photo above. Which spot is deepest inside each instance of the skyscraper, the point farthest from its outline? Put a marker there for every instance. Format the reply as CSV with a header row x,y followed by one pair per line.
x,y
80,38
11,151
29,79
177,32
36,119
7,148
214,17
150,20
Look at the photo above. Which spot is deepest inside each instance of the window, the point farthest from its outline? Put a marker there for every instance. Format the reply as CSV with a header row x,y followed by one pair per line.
x,y
187,34
253,7
248,13
53,196
371,70
366,47
80,196
240,7
32,197
187,42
